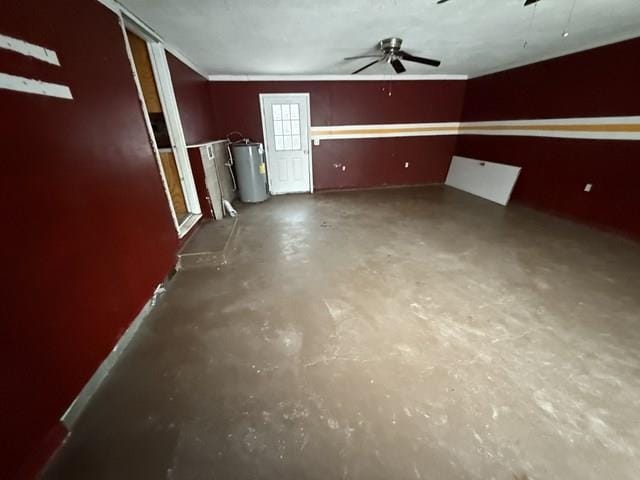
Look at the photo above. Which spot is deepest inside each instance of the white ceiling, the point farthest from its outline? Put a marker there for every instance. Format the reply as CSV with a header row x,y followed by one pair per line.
x,y
307,37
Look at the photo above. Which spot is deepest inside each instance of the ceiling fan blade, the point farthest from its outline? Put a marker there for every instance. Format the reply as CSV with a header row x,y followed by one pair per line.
x,y
362,56
441,1
366,66
397,66
425,61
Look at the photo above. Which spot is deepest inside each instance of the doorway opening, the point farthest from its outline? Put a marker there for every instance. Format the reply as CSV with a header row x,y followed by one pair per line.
x,y
149,64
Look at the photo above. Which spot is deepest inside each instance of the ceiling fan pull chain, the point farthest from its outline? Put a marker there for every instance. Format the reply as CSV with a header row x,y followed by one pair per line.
x,y
565,32
533,16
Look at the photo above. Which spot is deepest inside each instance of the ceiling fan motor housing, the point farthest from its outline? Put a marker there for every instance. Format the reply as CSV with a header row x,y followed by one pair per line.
x,y
390,45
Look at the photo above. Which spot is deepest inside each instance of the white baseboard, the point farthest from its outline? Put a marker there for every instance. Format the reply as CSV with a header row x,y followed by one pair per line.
x,y
76,408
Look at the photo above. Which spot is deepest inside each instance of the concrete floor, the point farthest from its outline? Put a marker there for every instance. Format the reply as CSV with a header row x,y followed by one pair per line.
x,y
415,333
212,236
209,245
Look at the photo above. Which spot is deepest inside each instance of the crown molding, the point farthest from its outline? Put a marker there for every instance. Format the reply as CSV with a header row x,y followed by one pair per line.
x,y
121,10
330,78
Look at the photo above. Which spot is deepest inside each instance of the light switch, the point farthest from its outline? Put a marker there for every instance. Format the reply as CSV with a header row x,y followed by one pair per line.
x,y
587,187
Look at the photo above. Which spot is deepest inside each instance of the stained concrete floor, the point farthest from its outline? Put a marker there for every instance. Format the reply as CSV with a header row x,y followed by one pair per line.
x,y
209,245
212,237
397,334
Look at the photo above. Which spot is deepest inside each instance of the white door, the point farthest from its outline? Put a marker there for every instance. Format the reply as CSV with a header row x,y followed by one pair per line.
x,y
285,124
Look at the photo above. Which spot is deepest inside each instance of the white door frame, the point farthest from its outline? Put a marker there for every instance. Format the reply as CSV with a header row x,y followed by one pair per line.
x,y
158,59
262,97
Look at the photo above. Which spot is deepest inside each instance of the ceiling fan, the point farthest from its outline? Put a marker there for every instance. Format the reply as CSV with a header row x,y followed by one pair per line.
x,y
526,2
391,53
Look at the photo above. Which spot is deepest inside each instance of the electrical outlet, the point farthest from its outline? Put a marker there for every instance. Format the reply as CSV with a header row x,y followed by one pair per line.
x,y
587,187
316,141
406,164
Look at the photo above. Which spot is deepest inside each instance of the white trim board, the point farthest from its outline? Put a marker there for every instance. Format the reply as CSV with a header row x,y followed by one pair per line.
x,y
557,134
329,78
493,181
612,128
111,5
468,128
387,125
121,10
183,58
188,224
166,93
29,49
38,87
384,130
202,144
70,417
145,114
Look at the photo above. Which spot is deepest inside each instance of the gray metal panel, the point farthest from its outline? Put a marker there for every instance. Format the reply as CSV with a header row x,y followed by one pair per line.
x,y
221,155
251,172
212,181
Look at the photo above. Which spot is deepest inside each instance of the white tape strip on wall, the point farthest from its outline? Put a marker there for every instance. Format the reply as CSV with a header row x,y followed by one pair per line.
x,y
29,49
29,85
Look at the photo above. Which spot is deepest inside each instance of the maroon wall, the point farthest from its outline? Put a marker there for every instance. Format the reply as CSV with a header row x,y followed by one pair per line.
x,y
192,95
598,82
592,83
88,232
369,162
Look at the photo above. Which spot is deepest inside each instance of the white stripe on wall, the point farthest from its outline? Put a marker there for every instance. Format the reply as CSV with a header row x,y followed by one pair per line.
x,y
29,49
603,135
384,130
614,128
38,87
